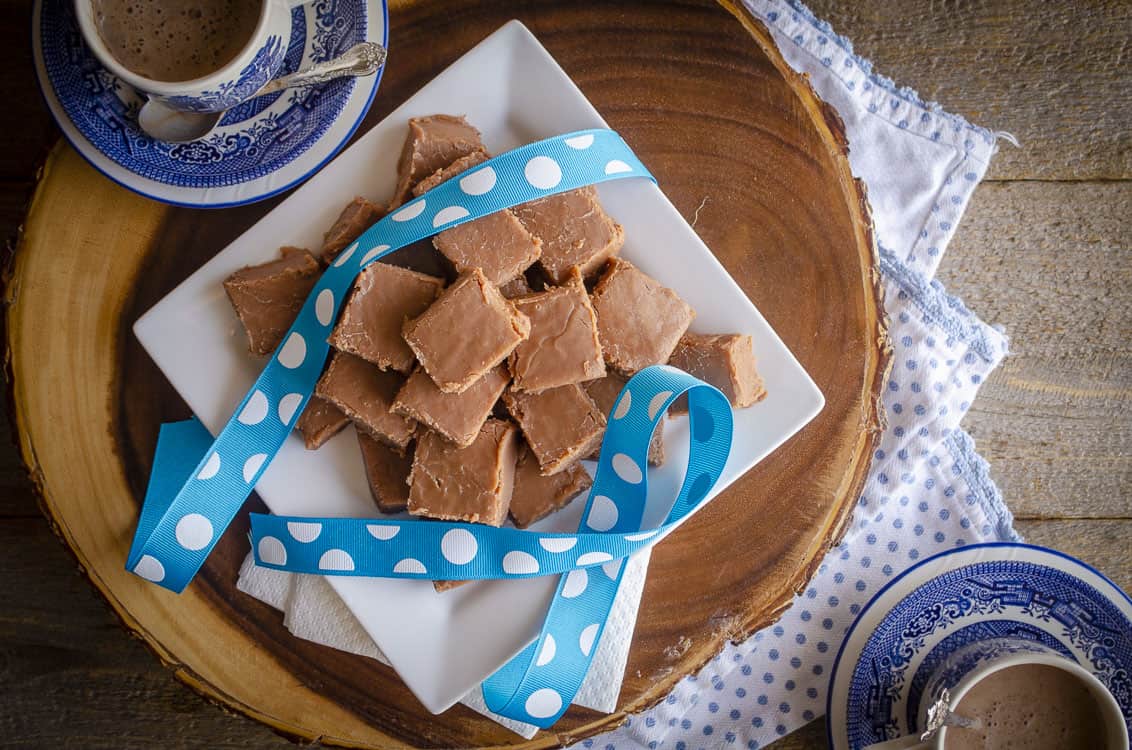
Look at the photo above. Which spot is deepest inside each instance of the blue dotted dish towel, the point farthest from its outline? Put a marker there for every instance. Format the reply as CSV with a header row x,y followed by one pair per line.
x,y
927,490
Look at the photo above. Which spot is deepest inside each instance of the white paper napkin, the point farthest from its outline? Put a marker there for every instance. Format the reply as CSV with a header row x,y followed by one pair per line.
x,y
314,612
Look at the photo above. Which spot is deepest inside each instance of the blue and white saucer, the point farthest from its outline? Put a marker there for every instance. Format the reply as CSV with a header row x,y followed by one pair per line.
x,y
962,596
260,148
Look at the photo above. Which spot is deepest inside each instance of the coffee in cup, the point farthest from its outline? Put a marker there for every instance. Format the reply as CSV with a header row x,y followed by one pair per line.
x,y
1030,707
175,40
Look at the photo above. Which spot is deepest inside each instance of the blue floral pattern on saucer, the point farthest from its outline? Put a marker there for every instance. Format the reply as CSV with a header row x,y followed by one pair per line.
x,y
1037,595
259,148
252,78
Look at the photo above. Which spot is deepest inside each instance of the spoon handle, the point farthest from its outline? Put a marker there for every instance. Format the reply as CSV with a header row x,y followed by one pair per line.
x,y
360,60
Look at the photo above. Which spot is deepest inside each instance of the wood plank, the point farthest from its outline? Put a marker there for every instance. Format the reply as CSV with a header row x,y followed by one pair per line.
x,y
1052,73
25,122
71,677
1053,264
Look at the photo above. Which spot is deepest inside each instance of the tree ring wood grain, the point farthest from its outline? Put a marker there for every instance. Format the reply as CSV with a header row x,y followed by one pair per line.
x,y
738,141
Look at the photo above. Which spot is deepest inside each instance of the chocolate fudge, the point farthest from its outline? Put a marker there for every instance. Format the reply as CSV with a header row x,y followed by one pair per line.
x,y
498,244
469,330
358,216
560,424
431,144
727,361
563,346
516,287
456,416
465,484
463,164
537,496
575,231
384,297
365,393
387,472
267,297
639,321
320,421
604,392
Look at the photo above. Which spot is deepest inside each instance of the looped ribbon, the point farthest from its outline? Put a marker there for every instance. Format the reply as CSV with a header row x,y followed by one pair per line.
x,y
199,483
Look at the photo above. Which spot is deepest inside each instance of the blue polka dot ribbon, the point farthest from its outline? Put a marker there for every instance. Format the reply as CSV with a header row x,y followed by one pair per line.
x,y
198,483
538,684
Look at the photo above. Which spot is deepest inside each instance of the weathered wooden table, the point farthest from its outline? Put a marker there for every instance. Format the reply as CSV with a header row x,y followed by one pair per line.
x,y
1045,250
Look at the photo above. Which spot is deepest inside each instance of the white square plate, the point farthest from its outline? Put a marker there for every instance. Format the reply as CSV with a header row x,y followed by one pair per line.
x,y
444,645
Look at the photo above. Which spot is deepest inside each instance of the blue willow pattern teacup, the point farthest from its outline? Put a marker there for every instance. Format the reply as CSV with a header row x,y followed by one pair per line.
x,y
238,80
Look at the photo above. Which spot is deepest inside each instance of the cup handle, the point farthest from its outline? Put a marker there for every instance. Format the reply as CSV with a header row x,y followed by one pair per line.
x,y
907,742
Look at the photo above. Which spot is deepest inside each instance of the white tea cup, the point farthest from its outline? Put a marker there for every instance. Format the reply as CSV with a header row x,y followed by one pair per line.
x,y
236,81
968,666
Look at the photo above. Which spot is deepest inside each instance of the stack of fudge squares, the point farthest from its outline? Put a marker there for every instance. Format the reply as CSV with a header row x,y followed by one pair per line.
x,y
478,368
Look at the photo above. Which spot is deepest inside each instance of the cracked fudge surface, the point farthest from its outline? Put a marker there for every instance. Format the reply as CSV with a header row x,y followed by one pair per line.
x,y
383,298
563,345
365,393
575,231
561,424
468,330
267,297
639,321
473,484
456,416
432,143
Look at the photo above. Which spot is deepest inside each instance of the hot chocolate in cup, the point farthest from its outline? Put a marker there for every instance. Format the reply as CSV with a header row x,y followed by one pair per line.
x,y
193,56
1019,695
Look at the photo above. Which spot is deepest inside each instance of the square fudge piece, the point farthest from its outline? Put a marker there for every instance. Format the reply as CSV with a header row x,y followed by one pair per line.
x,y
537,496
469,330
575,231
456,416
320,421
384,297
432,143
561,424
365,393
465,484
563,346
639,321
726,361
267,297
498,244
445,173
604,392
358,216
387,472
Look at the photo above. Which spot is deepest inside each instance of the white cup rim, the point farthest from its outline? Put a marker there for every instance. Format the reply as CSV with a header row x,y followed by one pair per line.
x,y
85,14
1110,709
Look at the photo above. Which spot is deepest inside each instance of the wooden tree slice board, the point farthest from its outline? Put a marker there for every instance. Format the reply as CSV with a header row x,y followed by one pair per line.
x,y
738,142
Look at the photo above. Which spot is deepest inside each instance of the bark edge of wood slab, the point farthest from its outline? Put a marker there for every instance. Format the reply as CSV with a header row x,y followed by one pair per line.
x,y
86,265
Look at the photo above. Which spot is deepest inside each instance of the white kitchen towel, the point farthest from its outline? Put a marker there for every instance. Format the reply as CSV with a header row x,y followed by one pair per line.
x,y
927,490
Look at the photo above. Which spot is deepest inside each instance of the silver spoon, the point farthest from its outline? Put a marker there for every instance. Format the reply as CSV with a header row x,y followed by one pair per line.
x,y
166,124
